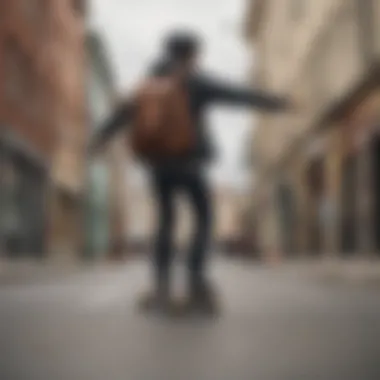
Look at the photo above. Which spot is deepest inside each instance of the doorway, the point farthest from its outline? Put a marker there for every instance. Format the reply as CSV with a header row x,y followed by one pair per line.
x,y
375,155
32,198
98,212
286,206
23,212
349,202
315,181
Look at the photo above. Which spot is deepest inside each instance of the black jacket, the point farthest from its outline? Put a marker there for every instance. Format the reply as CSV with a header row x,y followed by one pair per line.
x,y
204,92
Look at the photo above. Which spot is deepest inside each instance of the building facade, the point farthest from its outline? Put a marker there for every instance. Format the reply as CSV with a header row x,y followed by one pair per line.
x,y
43,125
69,123
316,190
105,190
27,123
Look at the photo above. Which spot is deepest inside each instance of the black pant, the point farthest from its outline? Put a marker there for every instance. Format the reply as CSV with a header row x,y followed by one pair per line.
x,y
167,184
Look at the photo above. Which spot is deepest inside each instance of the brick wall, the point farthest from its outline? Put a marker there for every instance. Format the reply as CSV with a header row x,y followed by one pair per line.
x,y
26,92
68,77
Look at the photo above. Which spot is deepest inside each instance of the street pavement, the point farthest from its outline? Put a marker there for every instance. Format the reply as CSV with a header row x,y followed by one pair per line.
x,y
285,323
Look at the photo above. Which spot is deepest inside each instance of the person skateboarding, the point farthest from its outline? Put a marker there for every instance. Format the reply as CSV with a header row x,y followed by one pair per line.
x,y
168,133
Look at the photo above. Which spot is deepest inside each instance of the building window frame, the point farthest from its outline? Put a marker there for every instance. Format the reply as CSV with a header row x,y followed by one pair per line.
x,y
34,13
16,71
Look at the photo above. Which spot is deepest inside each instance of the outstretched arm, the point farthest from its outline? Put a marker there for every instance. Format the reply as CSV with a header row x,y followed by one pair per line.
x,y
118,119
219,92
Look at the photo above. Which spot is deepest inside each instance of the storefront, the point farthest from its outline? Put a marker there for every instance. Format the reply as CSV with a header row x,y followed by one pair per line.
x,y
23,186
286,206
66,223
97,211
349,189
316,194
268,223
363,150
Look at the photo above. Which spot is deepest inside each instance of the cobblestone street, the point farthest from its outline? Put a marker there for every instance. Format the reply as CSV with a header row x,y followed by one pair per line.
x,y
285,323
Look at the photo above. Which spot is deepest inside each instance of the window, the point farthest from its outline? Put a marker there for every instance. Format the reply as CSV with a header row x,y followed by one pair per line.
x,y
3,9
31,95
36,104
79,7
34,12
318,71
21,84
16,72
364,13
297,9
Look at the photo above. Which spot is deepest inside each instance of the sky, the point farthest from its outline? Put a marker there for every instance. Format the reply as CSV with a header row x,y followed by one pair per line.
x,y
133,30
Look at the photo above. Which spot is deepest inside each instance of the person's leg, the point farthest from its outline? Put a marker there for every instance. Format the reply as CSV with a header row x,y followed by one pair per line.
x,y
164,192
198,192
201,294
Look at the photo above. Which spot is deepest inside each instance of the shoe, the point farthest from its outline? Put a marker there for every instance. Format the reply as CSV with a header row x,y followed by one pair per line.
x,y
154,301
203,299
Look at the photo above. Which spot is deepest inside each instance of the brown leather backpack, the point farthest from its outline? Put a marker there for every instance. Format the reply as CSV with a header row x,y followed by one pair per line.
x,y
162,127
